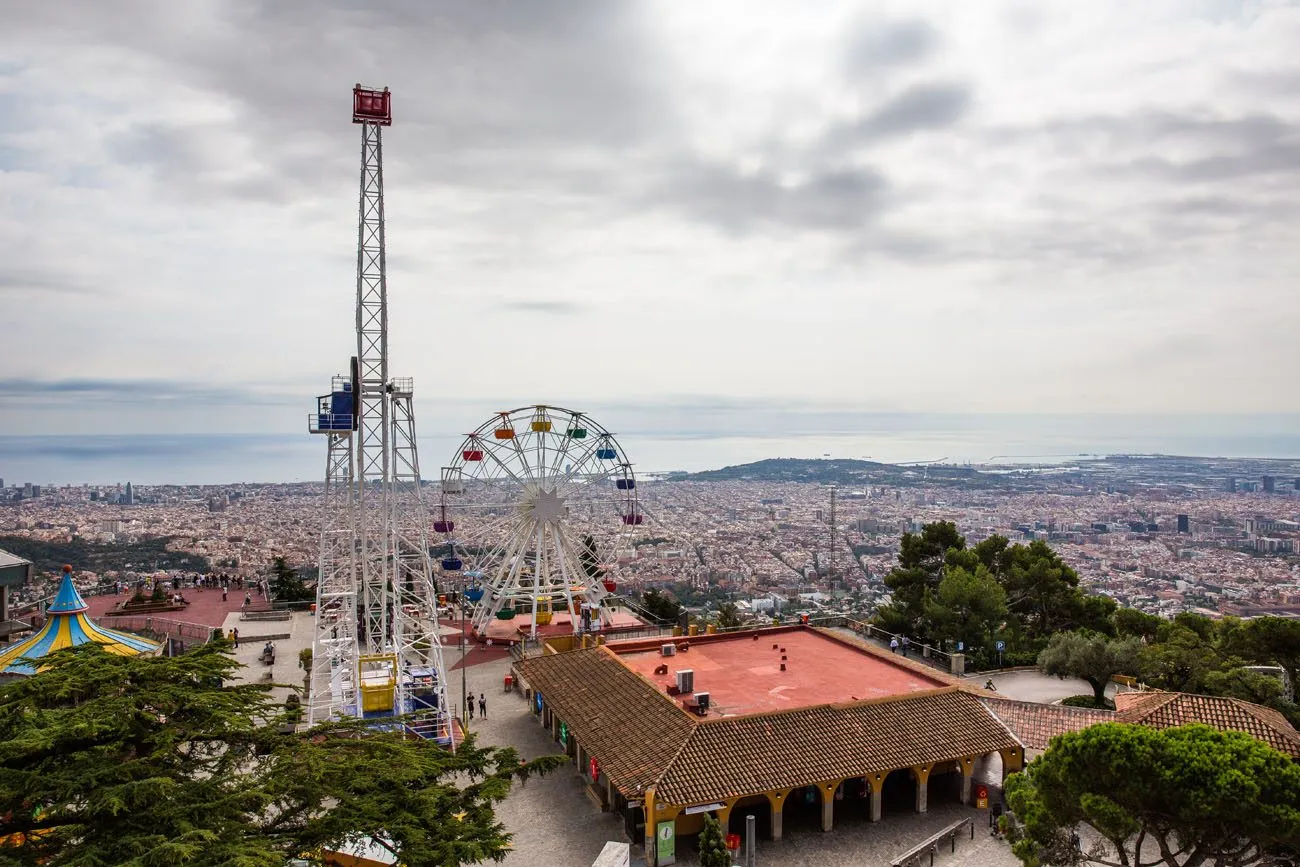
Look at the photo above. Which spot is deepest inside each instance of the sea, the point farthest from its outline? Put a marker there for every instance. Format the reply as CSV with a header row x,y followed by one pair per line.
x,y
978,439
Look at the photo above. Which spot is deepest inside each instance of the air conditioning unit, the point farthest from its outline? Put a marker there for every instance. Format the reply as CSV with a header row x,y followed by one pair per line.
x,y
668,650
702,700
686,680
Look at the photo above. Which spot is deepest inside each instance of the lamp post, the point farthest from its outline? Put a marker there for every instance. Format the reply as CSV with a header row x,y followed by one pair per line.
x,y
464,652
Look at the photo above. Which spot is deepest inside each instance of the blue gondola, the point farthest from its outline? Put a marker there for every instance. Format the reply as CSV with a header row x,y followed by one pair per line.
x,y
606,454
474,594
626,484
452,564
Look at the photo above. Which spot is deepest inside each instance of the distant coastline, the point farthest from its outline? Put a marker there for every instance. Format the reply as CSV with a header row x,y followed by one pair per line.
x,y
891,438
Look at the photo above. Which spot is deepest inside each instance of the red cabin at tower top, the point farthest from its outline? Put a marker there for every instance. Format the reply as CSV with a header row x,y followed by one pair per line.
x,y
372,106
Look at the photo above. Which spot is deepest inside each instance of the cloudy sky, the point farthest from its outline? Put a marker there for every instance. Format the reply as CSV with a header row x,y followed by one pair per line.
x,y
670,207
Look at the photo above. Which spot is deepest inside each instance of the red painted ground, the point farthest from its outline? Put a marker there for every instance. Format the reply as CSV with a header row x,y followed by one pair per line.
x,y
561,624
205,608
744,676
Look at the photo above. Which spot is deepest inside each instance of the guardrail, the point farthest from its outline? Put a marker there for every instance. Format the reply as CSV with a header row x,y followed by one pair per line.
x,y
925,653
178,629
931,844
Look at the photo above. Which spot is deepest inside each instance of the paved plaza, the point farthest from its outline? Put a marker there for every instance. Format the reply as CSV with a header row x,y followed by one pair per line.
x,y
554,822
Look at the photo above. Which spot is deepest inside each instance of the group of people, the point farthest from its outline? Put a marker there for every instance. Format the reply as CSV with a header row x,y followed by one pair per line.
x,y
895,645
482,705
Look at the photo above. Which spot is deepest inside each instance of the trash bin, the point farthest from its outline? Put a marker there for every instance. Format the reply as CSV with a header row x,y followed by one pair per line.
x,y
509,682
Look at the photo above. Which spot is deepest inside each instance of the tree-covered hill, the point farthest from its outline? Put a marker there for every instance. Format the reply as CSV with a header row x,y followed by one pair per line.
x,y
144,555
841,471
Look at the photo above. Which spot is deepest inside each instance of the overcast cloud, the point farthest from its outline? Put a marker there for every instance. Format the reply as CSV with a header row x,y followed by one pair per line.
x,y
983,207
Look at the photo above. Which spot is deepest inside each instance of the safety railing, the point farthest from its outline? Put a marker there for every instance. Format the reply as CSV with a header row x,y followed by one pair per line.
x,y
162,626
930,845
325,422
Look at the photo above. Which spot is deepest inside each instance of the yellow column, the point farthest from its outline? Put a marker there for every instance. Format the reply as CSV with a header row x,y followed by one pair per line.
x,y
828,802
724,815
1013,760
922,774
876,782
966,764
777,799
656,812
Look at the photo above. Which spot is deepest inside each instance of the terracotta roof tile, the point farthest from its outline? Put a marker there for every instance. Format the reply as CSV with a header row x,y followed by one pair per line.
x,y
755,753
1170,709
1036,724
631,728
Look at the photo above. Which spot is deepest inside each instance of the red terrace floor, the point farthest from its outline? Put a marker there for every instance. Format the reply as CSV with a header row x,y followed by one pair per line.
x,y
205,608
561,624
743,676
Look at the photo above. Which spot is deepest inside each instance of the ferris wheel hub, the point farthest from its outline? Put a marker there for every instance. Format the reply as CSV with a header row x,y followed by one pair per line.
x,y
546,507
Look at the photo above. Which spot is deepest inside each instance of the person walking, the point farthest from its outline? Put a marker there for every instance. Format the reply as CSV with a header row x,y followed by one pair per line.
x,y
469,707
893,645
906,644
223,593
248,599
482,705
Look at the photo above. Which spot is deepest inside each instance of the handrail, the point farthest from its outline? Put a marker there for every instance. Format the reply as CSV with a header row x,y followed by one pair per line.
x,y
931,843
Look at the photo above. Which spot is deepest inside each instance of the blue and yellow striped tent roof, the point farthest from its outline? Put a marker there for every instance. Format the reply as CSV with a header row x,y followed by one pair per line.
x,y
69,626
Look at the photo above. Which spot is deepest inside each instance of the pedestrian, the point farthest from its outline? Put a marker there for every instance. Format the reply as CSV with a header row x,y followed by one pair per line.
x,y
223,594
469,707
523,772
906,644
235,632
893,644
482,705
248,599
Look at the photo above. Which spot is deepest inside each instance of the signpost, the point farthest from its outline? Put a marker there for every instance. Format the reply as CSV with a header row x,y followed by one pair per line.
x,y
1001,646
666,843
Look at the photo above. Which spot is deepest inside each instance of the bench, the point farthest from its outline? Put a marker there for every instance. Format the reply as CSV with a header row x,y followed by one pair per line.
x,y
931,844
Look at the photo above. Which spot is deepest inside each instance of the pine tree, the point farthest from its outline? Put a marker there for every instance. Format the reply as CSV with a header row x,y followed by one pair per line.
x,y
713,848
150,760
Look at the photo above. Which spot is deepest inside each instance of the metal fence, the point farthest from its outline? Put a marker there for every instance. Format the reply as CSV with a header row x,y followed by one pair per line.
x,y
189,633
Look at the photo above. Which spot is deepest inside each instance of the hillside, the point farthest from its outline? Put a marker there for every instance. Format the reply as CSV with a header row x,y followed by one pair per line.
x,y
841,471
143,556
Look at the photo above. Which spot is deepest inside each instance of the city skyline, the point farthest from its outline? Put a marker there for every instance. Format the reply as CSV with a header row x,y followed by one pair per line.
x,y
908,208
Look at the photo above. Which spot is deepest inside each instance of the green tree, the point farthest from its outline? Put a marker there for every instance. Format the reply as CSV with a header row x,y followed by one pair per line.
x,y
968,606
111,760
728,616
590,559
921,559
286,584
662,608
1129,622
1180,797
713,847
1094,658
1277,642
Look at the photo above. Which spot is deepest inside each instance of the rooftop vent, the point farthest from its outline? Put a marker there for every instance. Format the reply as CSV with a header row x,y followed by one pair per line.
x,y
668,650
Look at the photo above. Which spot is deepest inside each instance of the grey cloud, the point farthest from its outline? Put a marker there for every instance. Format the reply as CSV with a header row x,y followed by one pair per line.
x,y
133,391
17,278
930,106
554,308
844,199
521,82
875,46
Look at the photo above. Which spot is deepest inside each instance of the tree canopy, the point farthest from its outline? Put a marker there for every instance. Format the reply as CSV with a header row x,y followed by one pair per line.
x,y
110,760
1094,658
1037,594
1132,796
286,584
661,607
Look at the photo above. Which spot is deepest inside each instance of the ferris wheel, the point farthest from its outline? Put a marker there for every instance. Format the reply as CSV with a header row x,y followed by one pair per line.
x,y
532,505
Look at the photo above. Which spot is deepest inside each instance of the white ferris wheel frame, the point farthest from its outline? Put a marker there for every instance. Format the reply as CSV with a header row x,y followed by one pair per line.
x,y
518,500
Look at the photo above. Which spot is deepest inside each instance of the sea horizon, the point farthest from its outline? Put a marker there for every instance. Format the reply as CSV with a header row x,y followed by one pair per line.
x,y
976,439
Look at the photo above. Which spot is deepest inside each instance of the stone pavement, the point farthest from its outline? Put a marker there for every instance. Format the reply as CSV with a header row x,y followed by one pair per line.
x,y
1029,685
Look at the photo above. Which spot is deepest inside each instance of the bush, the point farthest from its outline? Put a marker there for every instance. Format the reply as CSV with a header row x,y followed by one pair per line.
x,y
1087,701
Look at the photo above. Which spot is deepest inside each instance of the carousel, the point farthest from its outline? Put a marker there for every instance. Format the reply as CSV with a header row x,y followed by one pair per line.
x,y
67,625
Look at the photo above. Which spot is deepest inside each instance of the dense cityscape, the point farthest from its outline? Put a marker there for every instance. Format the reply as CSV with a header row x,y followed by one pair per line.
x,y
1163,535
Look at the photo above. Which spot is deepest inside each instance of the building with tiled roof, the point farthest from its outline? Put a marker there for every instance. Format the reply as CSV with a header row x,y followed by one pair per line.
x,y
1035,724
1172,709
780,721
